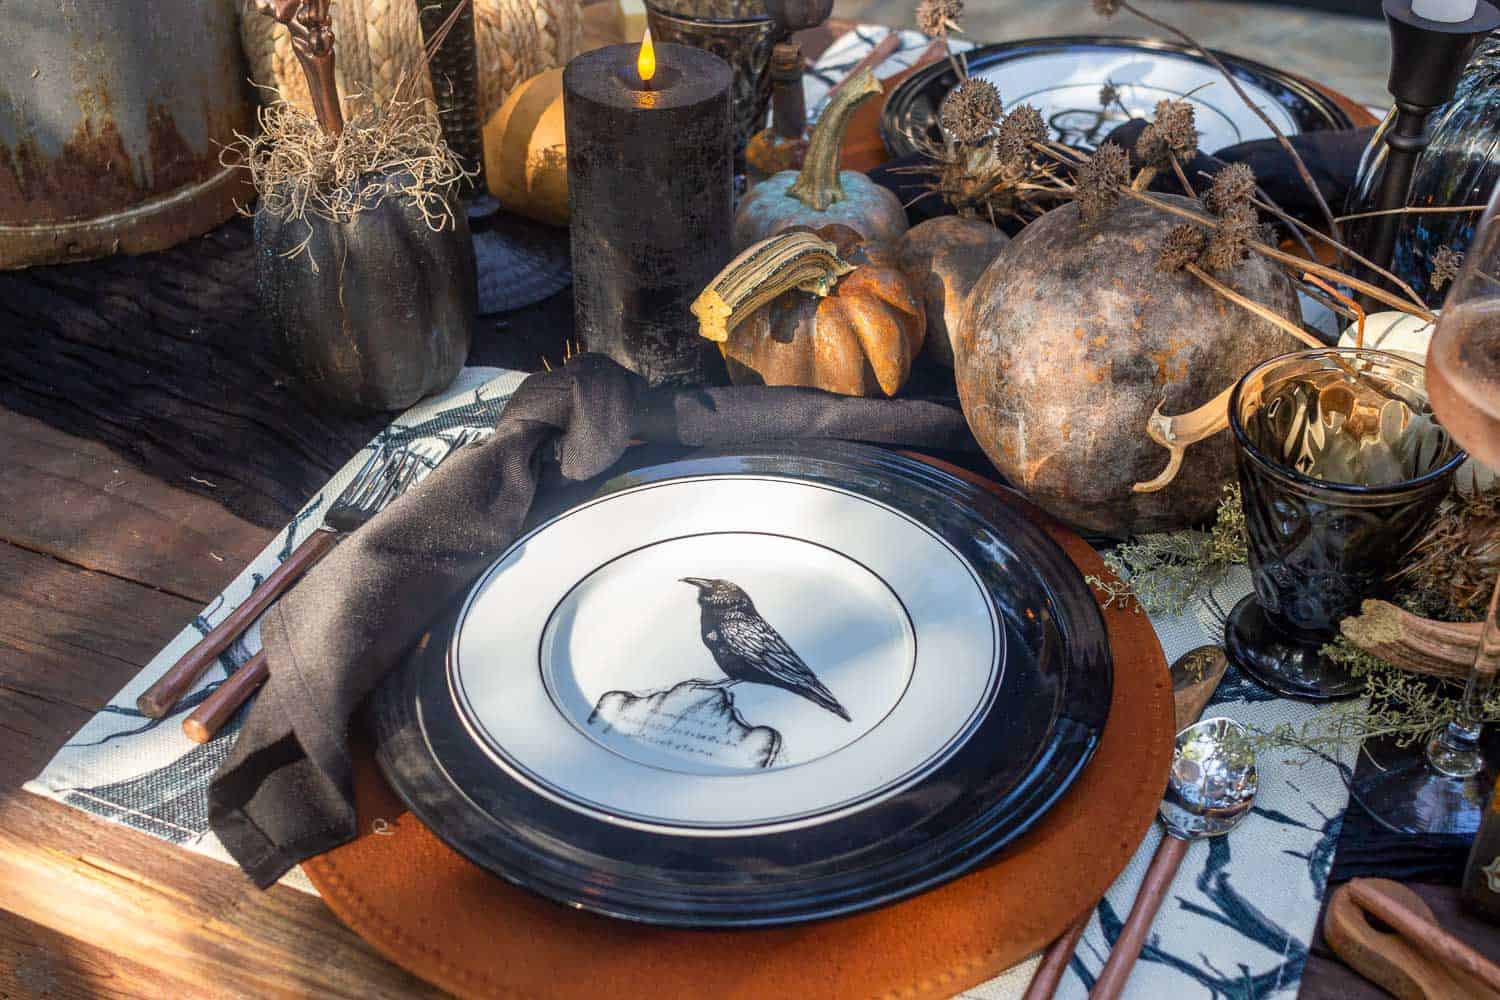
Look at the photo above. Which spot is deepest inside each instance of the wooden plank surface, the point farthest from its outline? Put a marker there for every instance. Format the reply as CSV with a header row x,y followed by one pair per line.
x,y
37,963
100,565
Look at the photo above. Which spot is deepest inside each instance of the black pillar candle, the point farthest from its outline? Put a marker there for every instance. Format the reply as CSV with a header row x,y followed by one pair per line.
x,y
650,182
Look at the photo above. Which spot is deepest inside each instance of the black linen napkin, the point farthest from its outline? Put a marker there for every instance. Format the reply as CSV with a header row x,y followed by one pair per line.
x,y
285,793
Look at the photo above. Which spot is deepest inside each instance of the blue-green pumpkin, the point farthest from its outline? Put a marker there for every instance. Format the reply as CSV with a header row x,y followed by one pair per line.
x,y
821,194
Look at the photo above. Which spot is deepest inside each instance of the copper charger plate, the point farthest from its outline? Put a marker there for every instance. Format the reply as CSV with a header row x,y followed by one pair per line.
x,y
455,925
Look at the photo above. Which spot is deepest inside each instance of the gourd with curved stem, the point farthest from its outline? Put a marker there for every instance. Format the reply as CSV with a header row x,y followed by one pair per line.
x,y
825,308
820,193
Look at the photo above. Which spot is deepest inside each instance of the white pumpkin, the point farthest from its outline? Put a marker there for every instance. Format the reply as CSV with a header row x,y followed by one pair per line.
x,y
1397,332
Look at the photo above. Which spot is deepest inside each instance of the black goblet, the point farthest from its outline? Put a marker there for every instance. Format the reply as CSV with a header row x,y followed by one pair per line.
x,y
1319,546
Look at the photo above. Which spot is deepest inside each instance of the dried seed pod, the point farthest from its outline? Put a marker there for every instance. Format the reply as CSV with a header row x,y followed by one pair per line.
x,y
1099,181
1022,127
1231,238
1445,265
1232,189
1106,8
1180,247
937,18
1173,132
971,110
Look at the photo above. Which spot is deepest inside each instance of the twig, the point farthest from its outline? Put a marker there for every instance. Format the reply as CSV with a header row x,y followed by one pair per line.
x,y
1302,171
1252,306
1359,312
1181,175
1266,204
1414,210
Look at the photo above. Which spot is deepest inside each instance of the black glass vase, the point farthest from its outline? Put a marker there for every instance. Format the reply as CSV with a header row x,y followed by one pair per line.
x,y
1319,547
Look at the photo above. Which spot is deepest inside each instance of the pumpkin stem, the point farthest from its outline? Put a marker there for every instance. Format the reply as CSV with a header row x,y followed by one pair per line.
x,y
817,185
797,259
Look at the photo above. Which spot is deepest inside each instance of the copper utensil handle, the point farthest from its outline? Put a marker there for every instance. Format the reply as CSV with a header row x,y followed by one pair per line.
x,y
882,51
158,699
1423,934
1055,961
1127,948
211,714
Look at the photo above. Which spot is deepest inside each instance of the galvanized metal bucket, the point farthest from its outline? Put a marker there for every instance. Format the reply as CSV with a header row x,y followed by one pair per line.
x,y
113,115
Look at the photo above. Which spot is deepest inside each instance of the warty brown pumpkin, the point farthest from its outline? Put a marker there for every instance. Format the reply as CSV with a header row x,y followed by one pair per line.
x,y
822,308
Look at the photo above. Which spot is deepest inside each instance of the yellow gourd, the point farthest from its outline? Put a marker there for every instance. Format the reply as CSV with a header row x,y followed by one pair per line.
x,y
525,154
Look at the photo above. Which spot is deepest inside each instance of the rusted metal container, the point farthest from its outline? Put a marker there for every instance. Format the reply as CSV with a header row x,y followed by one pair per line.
x,y
113,115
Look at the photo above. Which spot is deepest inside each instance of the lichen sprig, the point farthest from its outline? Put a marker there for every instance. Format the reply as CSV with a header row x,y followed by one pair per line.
x,y
1162,572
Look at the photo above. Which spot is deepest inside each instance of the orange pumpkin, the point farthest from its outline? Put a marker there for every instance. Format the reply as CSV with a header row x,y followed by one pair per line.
x,y
823,308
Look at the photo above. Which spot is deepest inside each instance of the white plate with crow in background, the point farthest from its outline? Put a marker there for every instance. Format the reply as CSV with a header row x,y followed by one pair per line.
x,y
731,689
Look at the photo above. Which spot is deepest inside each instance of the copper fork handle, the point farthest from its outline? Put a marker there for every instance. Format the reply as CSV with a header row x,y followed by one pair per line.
x,y
158,700
1056,958
1127,948
211,714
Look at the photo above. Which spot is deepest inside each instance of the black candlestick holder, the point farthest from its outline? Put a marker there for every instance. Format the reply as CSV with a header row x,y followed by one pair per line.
x,y
1427,59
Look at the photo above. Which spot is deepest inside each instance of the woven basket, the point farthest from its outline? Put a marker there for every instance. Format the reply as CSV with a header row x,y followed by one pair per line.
x,y
379,44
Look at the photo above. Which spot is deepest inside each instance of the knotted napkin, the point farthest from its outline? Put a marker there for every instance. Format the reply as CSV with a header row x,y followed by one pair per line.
x,y
286,791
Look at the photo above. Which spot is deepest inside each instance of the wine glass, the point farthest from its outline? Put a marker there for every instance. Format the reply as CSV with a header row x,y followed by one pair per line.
x,y
1443,787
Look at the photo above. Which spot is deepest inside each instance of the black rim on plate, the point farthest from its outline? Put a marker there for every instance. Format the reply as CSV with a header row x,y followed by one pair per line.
x,y
913,106
1032,741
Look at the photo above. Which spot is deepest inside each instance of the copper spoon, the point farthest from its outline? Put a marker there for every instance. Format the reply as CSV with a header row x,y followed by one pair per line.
x,y
1210,788
1195,678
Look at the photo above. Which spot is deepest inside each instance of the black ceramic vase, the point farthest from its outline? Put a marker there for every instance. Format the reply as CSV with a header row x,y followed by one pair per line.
x,y
1318,548
376,311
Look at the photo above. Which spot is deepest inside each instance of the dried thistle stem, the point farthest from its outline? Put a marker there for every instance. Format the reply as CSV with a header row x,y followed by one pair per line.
x,y
1302,171
1267,206
1297,265
1252,306
1415,210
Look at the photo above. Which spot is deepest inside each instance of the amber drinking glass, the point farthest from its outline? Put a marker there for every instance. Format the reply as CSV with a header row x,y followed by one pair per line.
x,y
1341,467
1443,787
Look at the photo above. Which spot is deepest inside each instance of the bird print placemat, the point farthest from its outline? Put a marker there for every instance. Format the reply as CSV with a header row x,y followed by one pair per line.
x,y
1237,921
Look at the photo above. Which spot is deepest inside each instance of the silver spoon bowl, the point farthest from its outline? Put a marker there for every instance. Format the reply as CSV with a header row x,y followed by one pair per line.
x,y
1212,784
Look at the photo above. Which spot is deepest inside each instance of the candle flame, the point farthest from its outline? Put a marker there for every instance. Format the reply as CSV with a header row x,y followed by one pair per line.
x,y
645,63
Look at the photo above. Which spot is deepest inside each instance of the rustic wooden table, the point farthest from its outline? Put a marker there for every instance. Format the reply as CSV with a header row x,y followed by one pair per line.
x,y
150,448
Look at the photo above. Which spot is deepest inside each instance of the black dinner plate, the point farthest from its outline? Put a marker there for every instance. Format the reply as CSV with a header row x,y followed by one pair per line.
x,y
1031,731
1071,108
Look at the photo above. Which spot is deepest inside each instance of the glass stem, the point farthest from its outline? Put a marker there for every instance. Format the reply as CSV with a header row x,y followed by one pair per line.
x,y
1456,750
